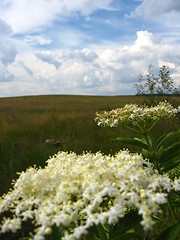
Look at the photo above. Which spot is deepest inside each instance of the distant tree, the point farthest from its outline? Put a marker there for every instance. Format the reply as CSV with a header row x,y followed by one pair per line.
x,y
151,81
165,82
140,86
146,85
161,85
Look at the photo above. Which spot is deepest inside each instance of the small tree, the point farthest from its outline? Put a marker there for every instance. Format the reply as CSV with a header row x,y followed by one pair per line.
x,y
163,84
151,81
146,85
140,86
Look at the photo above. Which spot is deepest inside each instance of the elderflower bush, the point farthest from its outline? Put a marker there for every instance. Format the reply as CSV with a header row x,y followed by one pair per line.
x,y
79,191
132,114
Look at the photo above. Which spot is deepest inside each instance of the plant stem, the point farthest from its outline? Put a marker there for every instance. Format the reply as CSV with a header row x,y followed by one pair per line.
x,y
133,129
102,233
152,126
140,127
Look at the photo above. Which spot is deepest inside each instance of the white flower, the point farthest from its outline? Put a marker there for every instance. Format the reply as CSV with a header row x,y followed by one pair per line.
x,y
85,190
11,224
176,184
137,116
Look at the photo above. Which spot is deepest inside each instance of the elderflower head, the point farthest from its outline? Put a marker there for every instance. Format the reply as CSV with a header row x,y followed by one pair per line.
x,y
134,115
79,191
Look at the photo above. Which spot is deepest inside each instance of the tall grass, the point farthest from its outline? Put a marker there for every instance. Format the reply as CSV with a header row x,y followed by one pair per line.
x,y
26,122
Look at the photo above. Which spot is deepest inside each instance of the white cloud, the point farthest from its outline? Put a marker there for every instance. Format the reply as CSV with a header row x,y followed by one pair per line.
x,y
5,75
26,69
37,40
155,8
48,57
7,52
92,71
4,28
111,71
163,15
69,37
24,16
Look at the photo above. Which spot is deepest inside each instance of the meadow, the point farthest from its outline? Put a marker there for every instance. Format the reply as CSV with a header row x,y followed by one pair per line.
x,y
27,122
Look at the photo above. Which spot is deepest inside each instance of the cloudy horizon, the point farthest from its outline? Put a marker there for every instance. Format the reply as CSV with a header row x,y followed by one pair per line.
x,y
85,47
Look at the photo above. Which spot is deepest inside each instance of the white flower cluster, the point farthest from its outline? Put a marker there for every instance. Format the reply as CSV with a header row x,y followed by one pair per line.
x,y
79,191
133,114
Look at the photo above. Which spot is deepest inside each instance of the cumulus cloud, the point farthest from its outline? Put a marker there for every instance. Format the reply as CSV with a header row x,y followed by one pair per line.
x,y
155,8
49,57
95,70
84,55
110,71
5,75
4,28
40,13
26,69
7,52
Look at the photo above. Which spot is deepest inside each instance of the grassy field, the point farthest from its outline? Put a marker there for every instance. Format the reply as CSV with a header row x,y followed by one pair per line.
x,y
26,122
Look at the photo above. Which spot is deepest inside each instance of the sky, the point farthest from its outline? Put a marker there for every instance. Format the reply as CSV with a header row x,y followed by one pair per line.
x,y
85,47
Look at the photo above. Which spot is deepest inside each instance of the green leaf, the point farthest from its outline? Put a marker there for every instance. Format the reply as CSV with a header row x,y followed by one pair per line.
x,y
176,203
159,153
132,141
92,233
146,153
129,221
170,164
57,233
165,139
128,236
159,140
149,140
171,152
170,233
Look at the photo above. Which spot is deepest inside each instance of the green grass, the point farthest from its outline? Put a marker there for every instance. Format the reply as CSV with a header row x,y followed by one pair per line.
x,y
26,122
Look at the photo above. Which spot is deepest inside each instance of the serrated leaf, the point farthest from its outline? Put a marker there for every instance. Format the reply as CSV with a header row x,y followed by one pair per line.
x,y
170,233
127,236
132,141
167,138
127,222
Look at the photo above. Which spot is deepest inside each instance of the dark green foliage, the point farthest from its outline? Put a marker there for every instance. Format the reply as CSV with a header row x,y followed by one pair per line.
x,y
170,233
129,221
57,233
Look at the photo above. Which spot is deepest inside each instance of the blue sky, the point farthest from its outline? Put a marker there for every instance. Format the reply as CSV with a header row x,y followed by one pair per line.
x,y
94,47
